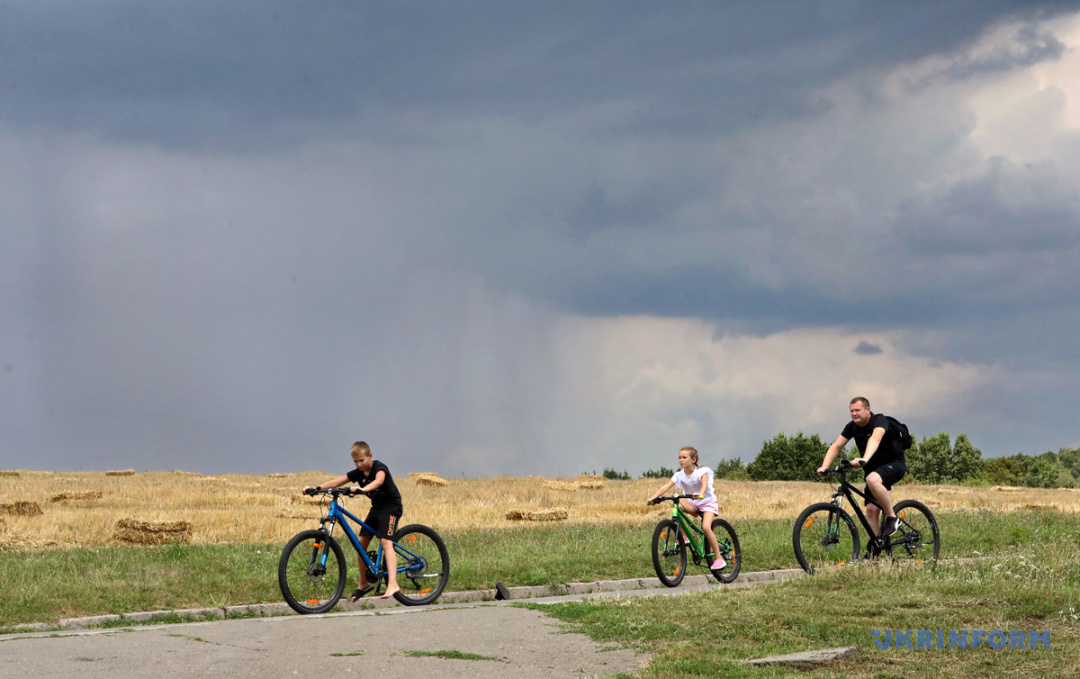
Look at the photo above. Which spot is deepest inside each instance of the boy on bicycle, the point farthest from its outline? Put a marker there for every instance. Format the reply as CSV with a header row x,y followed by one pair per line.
x,y
386,510
880,453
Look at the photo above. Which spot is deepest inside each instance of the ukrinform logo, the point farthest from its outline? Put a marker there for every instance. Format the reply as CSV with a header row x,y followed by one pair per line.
x,y
969,639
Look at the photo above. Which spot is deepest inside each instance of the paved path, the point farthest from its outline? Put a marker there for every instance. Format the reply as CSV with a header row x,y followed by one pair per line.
x,y
523,643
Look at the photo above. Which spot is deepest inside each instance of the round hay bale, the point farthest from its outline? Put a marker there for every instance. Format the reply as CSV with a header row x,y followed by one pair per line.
x,y
120,472
76,495
537,515
138,532
22,508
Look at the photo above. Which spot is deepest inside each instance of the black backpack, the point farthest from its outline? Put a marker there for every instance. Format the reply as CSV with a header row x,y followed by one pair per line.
x,y
900,430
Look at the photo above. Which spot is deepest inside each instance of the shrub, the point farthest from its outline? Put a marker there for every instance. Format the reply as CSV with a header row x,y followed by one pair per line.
x,y
662,473
725,468
610,473
788,459
936,460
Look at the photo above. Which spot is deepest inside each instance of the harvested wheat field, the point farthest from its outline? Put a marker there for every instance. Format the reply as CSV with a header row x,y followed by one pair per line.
x,y
87,508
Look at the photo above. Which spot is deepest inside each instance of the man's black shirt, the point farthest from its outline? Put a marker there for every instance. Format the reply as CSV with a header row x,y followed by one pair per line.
x,y
889,449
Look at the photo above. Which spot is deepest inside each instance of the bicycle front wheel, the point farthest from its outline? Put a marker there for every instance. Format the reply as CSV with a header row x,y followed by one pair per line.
x,y
423,565
825,538
668,553
729,549
916,539
311,572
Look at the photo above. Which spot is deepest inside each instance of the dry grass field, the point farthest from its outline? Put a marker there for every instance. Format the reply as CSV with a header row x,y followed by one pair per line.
x,y
44,509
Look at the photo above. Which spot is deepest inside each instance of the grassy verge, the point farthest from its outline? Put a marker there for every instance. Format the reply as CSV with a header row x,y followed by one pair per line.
x,y
1035,587
47,585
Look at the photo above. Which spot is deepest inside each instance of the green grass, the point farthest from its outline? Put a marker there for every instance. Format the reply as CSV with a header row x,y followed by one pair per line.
x,y
449,655
1036,587
47,585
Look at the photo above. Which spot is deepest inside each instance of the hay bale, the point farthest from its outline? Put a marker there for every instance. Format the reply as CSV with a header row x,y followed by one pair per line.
x,y
9,472
1006,489
137,532
183,473
590,477
587,484
560,485
431,480
537,515
76,495
23,508
306,499
278,476
305,516
120,472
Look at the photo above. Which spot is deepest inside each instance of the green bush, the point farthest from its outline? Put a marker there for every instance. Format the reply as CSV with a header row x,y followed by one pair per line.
x,y
662,473
936,460
788,459
730,469
610,473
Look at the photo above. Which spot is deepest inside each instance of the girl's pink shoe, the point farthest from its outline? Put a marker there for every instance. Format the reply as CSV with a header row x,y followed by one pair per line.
x,y
718,564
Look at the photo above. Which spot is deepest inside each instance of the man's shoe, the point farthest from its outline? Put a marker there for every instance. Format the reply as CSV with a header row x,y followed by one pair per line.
x,y
891,524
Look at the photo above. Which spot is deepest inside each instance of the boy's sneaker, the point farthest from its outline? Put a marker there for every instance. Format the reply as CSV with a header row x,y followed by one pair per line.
x,y
718,564
891,524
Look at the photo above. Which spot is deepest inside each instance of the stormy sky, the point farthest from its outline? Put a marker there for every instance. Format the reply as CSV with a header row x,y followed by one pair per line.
x,y
531,238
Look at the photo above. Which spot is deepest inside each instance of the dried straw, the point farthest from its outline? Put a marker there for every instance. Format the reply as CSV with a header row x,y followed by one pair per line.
x,y
431,481
137,532
76,495
537,515
120,472
278,476
23,508
8,472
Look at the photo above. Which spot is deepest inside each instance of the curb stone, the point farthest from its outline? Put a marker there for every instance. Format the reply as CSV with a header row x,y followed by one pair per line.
x,y
516,594
806,659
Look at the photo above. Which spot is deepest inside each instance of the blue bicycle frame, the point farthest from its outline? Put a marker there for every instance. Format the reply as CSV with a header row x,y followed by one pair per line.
x,y
337,515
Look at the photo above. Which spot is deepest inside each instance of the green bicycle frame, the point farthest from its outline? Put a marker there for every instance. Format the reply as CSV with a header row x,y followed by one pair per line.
x,y
690,529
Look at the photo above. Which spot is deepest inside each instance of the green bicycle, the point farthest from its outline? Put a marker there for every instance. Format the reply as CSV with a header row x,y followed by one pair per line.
x,y
674,536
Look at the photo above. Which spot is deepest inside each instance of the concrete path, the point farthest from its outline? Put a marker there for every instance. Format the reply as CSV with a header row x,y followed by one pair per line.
x,y
520,643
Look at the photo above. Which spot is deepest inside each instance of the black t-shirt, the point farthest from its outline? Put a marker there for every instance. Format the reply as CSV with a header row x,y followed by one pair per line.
x,y
889,449
387,494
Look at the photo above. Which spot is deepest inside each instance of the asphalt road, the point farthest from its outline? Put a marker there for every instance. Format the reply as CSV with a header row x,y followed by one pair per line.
x,y
521,643
516,642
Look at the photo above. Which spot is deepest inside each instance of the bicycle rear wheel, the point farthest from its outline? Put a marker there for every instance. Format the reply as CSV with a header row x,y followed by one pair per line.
x,y
668,553
825,538
311,572
916,540
426,563
729,549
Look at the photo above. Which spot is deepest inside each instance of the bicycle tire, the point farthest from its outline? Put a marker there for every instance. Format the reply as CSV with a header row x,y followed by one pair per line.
x,y
426,574
818,538
729,549
307,585
668,553
917,531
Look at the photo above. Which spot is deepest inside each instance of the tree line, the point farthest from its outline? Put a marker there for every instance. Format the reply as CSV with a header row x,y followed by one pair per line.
x,y
933,459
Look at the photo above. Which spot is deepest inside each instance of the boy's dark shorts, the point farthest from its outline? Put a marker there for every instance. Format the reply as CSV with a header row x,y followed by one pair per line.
x,y
890,473
383,520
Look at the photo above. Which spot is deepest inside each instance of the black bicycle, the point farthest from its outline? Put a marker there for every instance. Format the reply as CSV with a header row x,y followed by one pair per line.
x,y
825,537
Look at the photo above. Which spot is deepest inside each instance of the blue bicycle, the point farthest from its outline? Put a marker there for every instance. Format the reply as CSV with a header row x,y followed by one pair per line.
x,y
312,572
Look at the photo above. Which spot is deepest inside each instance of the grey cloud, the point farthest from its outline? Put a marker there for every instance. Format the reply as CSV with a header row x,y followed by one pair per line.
x,y
250,74
865,348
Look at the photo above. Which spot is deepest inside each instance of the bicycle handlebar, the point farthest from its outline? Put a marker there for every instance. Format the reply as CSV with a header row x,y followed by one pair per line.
x,y
844,467
671,498
335,492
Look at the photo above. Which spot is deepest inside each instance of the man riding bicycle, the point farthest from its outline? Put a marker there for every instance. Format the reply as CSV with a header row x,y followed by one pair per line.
x,y
882,456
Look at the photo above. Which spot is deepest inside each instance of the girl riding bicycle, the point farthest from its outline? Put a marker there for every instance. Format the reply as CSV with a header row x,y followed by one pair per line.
x,y
698,481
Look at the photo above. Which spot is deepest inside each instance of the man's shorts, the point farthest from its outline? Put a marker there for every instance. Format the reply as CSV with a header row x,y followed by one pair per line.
x,y
383,520
890,473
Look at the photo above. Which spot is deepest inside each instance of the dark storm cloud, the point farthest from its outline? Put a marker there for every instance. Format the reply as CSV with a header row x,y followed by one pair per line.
x,y
865,348
259,74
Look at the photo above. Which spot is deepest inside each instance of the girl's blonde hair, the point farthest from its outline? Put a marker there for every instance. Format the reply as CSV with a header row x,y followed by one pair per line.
x,y
693,454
